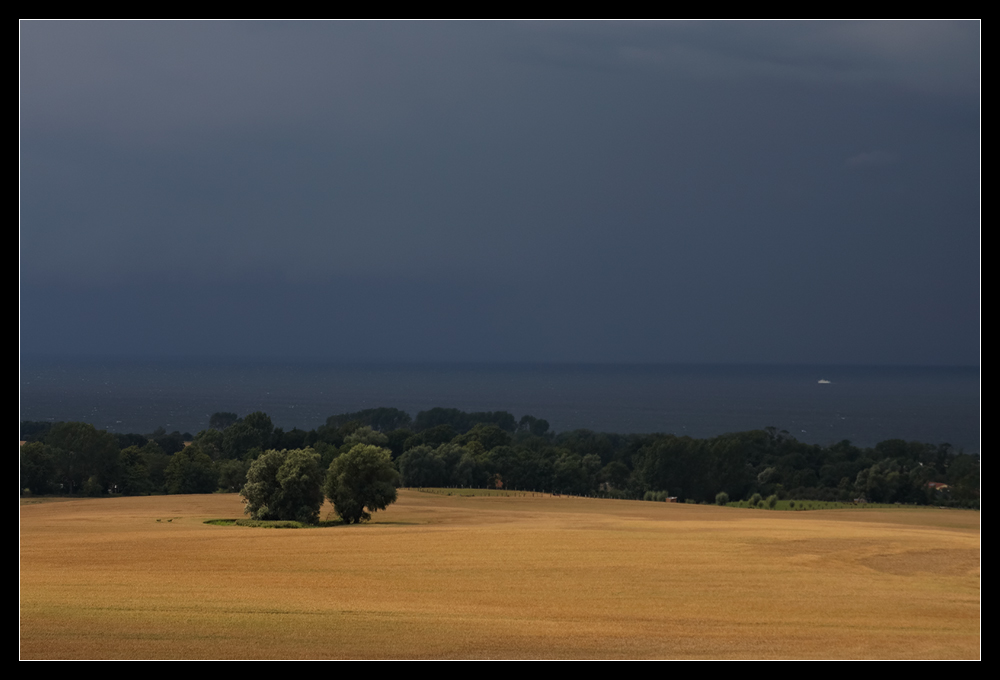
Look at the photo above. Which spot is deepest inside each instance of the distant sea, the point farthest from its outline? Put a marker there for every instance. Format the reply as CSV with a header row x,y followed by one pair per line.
x,y
816,404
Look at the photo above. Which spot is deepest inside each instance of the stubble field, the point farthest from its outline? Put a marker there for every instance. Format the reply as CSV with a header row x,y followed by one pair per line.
x,y
494,577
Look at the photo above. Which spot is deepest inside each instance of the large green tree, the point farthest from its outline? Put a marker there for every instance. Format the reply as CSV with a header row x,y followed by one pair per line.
x,y
421,466
361,482
38,468
253,432
191,471
83,453
284,485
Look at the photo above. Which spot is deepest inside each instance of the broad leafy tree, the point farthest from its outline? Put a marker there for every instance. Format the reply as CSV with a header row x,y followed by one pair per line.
x,y
83,453
420,466
38,468
191,471
284,485
253,432
361,482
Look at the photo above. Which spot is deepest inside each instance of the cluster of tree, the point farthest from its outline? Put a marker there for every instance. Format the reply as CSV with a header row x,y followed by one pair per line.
x,y
290,484
77,458
448,447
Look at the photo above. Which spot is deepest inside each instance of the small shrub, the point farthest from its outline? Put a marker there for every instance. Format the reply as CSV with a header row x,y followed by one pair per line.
x,y
721,498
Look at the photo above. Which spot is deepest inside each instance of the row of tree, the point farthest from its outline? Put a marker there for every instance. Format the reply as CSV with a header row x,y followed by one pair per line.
x,y
449,447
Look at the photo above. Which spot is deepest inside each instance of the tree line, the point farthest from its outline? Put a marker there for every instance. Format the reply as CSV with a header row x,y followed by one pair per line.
x,y
445,447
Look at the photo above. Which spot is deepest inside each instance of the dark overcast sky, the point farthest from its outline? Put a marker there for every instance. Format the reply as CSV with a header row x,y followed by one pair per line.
x,y
790,192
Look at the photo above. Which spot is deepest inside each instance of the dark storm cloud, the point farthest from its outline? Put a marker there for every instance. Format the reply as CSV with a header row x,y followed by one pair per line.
x,y
625,191
872,158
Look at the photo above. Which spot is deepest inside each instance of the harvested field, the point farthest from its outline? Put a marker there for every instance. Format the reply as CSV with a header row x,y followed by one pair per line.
x,y
439,576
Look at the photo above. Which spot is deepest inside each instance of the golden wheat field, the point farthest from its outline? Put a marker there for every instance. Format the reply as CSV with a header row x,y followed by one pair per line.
x,y
438,576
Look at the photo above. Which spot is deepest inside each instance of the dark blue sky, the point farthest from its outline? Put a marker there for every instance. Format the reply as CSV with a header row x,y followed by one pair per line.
x,y
503,191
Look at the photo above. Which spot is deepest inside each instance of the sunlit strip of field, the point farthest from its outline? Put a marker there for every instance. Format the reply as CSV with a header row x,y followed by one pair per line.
x,y
439,576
